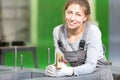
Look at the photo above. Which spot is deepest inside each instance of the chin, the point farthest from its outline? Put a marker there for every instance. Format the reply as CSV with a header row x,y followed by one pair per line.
x,y
71,27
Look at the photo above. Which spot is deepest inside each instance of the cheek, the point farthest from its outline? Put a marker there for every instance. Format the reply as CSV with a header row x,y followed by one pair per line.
x,y
80,20
67,17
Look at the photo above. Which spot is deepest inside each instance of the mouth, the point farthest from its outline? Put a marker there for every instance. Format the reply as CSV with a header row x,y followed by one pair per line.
x,y
71,24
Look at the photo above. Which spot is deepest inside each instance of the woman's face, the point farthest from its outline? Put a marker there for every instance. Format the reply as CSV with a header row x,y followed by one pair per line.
x,y
74,16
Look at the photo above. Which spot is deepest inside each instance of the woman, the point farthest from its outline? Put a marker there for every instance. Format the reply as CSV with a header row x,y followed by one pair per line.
x,y
81,44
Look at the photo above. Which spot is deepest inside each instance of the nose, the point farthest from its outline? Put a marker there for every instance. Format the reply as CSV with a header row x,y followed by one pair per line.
x,y
72,18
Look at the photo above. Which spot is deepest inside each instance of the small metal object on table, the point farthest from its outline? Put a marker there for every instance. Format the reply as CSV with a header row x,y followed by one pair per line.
x,y
4,50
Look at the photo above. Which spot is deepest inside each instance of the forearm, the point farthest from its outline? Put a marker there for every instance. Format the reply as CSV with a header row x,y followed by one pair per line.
x,y
84,69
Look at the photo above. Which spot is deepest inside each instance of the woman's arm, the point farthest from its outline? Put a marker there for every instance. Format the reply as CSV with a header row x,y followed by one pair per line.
x,y
94,52
56,38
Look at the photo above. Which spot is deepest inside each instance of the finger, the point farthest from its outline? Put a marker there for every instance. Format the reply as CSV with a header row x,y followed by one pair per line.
x,y
49,73
52,71
51,68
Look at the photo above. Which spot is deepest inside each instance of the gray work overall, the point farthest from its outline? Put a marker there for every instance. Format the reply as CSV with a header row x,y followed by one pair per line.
x,y
78,57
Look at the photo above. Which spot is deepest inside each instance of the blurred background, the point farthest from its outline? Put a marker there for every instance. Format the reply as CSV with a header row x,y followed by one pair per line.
x,y
32,21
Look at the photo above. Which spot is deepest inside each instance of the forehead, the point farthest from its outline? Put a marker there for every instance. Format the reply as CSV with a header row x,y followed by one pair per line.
x,y
75,7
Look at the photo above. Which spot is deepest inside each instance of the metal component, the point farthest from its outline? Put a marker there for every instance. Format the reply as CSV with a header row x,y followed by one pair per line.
x,y
15,57
21,62
48,56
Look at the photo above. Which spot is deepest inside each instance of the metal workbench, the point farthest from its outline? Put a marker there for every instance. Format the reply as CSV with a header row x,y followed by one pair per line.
x,y
11,73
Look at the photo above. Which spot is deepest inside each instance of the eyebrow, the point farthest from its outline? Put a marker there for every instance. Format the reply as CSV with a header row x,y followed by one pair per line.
x,y
71,10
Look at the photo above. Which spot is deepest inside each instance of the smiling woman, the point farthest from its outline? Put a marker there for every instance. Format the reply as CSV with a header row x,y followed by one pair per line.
x,y
74,16
80,43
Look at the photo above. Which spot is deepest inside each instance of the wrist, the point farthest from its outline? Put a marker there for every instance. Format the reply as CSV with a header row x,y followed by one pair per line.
x,y
72,72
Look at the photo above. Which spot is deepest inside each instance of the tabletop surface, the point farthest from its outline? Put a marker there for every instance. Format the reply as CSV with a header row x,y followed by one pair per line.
x,y
7,72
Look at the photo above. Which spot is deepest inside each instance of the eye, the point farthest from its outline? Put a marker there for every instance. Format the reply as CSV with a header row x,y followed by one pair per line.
x,y
69,12
78,14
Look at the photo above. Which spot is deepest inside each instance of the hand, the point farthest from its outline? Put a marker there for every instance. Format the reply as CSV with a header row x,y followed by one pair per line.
x,y
64,71
51,70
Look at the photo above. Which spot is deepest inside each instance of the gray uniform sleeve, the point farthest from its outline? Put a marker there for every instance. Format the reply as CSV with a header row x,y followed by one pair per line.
x,y
94,52
56,38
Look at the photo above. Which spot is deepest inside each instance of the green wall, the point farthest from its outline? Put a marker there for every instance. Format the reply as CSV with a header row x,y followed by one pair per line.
x,y
45,15
102,15
49,16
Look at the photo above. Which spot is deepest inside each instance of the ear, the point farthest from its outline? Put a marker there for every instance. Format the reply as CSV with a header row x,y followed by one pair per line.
x,y
85,19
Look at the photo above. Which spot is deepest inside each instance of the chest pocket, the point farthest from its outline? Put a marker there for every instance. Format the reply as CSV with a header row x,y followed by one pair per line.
x,y
75,58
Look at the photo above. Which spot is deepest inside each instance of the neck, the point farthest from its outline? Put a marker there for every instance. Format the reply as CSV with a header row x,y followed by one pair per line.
x,y
77,31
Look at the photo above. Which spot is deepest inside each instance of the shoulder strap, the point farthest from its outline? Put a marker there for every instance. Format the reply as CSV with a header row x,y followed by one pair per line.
x,y
83,40
60,44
